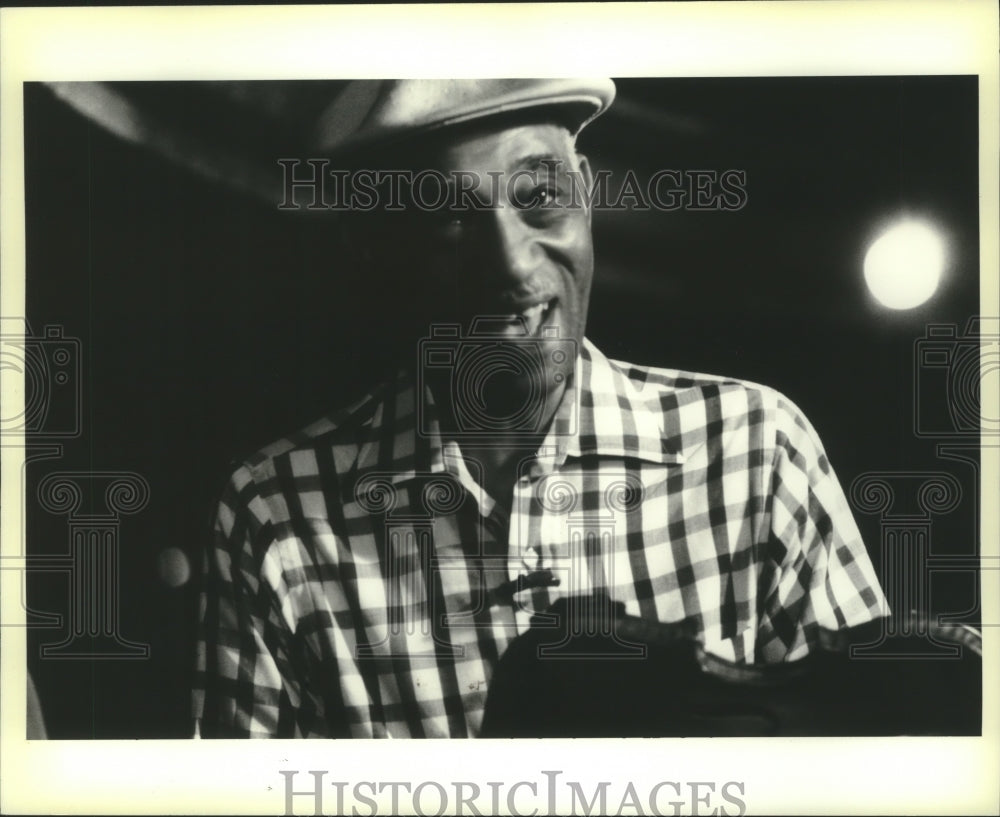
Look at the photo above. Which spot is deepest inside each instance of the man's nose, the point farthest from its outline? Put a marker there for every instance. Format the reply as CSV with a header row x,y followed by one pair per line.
x,y
515,250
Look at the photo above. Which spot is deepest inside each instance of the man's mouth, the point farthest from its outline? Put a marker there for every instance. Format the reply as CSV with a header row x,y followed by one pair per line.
x,y
528,320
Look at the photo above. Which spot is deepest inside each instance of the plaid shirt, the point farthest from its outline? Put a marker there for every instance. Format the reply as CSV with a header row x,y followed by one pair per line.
x,y
363,584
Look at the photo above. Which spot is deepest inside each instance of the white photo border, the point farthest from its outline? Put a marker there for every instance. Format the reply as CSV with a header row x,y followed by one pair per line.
x,y
848,775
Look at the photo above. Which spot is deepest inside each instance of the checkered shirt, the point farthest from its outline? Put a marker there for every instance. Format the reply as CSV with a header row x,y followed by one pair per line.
x,y
361,583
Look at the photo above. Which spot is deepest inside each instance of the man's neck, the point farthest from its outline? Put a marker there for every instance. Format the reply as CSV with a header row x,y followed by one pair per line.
x,y
496,467
494,461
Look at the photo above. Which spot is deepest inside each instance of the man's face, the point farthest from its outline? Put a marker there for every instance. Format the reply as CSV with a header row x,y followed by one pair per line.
x,y
519,244
505,252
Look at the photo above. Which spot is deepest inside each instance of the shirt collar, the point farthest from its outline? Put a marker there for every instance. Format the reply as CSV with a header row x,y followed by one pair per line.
x,y
604,413
618,417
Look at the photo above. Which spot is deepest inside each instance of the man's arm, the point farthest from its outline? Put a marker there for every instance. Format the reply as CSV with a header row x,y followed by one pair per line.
x,y
822,576
244,684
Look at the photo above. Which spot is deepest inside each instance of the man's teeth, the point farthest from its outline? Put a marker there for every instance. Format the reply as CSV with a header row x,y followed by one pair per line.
x,y
529,313
534,311
532,316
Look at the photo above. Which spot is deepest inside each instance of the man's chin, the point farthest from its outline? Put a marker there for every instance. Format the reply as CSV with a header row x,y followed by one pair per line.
x,y
512,404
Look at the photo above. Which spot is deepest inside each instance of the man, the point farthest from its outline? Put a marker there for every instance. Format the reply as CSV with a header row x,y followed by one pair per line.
x,y
369,572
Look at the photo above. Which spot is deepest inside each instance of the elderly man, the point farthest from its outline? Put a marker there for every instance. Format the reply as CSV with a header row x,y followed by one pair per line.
x,y
368,573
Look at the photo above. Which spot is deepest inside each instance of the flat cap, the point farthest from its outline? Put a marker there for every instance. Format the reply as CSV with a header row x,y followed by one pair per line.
x,y
368,113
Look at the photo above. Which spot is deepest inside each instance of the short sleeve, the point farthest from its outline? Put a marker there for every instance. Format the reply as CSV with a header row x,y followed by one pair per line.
x,y
823,578
244,682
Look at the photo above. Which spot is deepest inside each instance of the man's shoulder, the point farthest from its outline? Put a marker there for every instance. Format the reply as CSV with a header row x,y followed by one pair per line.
x,y
704,412
698,403
678,387
341,431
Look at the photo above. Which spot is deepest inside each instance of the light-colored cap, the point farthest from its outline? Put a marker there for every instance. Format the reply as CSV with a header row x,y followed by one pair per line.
x,y
375,112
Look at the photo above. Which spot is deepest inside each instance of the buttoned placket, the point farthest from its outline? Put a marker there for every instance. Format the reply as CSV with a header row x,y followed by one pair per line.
x,y
525,561
524,558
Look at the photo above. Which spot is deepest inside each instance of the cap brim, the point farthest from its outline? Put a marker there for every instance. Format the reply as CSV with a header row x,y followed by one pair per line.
x,y
572,102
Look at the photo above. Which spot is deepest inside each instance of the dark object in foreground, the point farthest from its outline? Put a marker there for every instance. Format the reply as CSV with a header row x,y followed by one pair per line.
x,y
621,676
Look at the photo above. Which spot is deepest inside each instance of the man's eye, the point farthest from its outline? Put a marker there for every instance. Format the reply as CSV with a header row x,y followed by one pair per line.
x,y
549,196
545,205
538,197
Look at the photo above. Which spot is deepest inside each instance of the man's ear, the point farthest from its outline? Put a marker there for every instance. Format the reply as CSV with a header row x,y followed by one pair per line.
x,y
588,182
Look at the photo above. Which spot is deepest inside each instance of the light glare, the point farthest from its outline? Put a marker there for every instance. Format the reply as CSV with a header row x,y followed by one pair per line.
x,y
904,265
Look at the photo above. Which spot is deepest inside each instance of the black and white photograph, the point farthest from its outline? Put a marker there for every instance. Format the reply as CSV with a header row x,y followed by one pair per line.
x,y
511,406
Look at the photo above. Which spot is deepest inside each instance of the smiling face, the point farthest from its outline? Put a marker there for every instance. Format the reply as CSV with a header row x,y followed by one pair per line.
x,y
505,250
518,244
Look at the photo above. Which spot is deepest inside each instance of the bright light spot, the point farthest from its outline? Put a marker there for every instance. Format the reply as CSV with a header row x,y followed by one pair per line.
x,y
904,265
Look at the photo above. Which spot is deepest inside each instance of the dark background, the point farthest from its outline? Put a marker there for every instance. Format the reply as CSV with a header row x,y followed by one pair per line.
x,y
212,323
